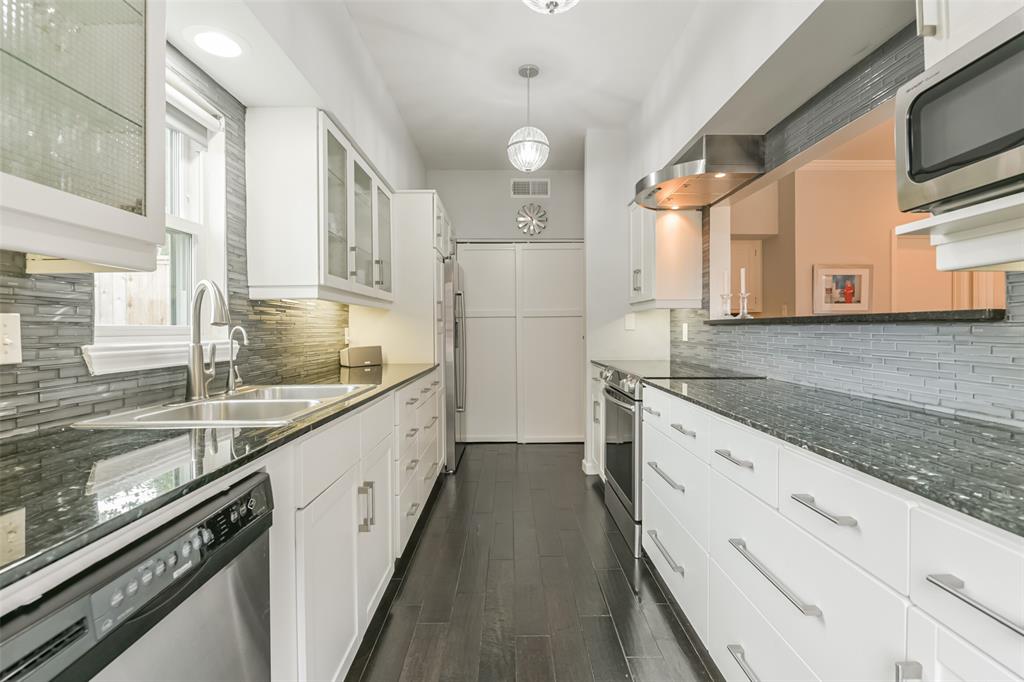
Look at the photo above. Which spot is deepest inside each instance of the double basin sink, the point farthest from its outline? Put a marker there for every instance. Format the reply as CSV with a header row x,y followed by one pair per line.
x,y
251,406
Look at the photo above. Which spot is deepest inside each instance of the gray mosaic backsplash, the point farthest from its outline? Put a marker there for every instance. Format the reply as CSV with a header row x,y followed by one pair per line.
x,y
289,341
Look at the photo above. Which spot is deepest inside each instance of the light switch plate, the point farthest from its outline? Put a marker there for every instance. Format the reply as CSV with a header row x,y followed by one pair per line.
x,y
10,338
630,322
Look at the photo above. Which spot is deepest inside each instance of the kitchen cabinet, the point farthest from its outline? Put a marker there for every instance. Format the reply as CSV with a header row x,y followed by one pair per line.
x,y
942,655
665,257
953,23
319,218
373,550
93,108
594,461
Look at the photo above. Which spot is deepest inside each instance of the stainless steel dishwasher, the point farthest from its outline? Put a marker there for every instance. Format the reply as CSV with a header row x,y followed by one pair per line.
x,y
190,601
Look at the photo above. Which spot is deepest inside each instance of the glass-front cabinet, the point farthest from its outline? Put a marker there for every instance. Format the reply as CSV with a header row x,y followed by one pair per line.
x,y
81,136
318,215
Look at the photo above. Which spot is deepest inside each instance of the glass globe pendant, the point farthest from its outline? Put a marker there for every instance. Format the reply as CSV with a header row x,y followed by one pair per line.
x,y
551,6
528,147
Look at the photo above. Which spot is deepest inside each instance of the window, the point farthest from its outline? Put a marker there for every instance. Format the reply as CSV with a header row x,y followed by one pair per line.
x,y
142,317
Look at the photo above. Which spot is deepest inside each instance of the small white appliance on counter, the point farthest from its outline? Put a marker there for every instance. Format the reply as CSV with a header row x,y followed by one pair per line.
x,y
362,356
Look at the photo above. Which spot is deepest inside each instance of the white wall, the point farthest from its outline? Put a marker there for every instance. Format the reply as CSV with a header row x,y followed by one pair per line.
x,y
322,41
481,206
606,229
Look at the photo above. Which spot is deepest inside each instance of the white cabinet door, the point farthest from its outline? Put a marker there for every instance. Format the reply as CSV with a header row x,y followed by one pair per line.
x,y
374,539
649,254
327,587
383,253
636,252
944,657
488,279
335,182
490,383
363,219
551,400
957,22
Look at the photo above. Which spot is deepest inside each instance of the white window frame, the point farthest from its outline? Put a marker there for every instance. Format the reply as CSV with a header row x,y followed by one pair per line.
x,y
124,348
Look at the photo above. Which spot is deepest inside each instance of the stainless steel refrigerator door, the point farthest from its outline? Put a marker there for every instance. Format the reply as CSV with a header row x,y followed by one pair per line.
x,y
221,632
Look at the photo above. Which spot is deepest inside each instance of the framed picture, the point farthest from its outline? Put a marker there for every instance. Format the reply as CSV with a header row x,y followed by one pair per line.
x,y
841,289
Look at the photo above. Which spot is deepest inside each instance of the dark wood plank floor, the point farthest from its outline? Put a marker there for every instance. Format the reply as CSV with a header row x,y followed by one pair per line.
x,y
520,574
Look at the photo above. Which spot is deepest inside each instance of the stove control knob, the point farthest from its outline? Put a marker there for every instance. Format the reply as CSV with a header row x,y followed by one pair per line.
x,y
207,535
606,374
147,577
116,598
132,588
234,515
630,383
172,560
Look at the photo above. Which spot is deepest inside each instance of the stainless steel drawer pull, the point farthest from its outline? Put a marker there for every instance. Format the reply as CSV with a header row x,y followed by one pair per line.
x,y
651,411
740,656
412,509
425,390
411,432
684,431
412,401
806,609
435,383
413,463
808,501
664,552
431,424
909,671
668,479
364,523
955,586
745,463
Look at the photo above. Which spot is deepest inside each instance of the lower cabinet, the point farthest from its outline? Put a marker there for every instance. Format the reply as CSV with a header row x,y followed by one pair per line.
x,y
934,654
326,550
373,551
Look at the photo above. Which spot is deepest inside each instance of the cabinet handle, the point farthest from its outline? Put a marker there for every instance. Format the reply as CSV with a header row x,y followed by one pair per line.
x,y
373,502
955,586
651,411
661,472
364,489
424,391
746,464
412,432
431,424
597,409
684,431
806,609
413,463
808,501
435,383
923,30
412,509
740,656
909,671
430,474
636,280
664,552
412,401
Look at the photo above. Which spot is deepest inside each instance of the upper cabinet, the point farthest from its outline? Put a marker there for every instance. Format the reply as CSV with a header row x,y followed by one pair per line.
x,y
318,216
444,235
665,258
948,25
81,139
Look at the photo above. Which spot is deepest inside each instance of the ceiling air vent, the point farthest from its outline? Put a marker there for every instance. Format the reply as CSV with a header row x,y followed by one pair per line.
x,y
524,188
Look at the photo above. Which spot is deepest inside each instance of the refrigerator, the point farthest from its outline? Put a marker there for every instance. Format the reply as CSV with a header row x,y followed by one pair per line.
x,y
453,360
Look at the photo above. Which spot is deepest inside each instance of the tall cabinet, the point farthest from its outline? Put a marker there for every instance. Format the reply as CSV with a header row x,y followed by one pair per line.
x,y
81,137
319,219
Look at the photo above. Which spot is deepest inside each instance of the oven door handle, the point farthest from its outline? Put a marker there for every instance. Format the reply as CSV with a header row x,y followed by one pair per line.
x,y
610,397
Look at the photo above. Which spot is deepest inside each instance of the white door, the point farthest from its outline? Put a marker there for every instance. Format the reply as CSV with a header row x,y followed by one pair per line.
x,y
374,538
326,555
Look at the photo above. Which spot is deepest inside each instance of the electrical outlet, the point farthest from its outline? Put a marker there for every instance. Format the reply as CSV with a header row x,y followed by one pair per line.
x,y
10,338
12,535
686,331
345,337
630,322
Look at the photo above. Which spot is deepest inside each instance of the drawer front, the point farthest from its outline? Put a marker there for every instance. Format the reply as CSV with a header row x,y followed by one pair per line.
x,y
378,422
742,638
657,407
679,560
855,518
679,479
427,419
970,573
749,459
408,470
410,505
324,456
408,440
944,656
843,623
429,469
690,425
408,400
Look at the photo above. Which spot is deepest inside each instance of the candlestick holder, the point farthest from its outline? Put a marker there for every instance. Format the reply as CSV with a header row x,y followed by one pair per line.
x,y
744,313
726,304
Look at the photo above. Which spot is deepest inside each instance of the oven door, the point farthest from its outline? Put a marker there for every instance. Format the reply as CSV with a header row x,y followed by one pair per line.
x,y
960,124
622,448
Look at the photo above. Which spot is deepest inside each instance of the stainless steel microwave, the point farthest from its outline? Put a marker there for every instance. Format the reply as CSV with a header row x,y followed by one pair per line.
x,y
960,124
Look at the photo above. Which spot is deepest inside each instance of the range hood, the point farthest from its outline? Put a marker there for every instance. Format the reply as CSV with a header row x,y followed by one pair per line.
x,y
711,169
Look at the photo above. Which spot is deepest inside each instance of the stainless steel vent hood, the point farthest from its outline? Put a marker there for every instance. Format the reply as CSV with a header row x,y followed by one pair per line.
x,y
712,168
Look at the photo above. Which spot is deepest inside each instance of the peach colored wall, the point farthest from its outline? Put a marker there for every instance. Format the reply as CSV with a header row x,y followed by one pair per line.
x,y
778,254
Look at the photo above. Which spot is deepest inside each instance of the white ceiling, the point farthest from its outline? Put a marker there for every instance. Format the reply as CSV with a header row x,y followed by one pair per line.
x,y
451,66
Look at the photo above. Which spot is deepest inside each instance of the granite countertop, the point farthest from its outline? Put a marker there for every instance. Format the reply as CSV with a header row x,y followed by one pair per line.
x,y
972,466
676,369
975,315
76,486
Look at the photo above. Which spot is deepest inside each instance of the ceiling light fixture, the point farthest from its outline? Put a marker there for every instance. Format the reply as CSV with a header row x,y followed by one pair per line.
x,y
719,175
217,43
528,147
551,6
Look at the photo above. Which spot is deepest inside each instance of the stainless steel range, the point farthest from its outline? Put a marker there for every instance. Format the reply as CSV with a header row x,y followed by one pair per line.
x,y
622,422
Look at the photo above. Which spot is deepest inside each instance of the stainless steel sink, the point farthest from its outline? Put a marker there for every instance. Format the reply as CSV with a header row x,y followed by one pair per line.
x,y
323,392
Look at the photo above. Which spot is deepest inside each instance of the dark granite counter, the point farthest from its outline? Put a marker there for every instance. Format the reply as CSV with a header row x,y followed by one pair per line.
x,y
676,369
976,315
974,467
75,486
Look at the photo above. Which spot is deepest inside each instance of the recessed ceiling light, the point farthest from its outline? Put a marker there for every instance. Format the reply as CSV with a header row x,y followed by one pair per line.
x,y
719,175
215,41
551,6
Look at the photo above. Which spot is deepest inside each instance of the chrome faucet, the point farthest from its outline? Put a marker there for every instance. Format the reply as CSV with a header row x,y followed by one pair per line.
x,y
199,376
234,378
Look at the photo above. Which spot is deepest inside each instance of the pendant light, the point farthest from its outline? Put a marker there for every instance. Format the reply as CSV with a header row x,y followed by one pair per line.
x,y
528,147
551,6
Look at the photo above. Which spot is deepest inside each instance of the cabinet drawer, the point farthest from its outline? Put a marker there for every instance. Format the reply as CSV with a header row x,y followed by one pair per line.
x,y
378,422
749,459
741,637
429,468
944,656
407,468
657,407
667,467
689,426
324,456
842,622
855,518
408,399
957,574
426,421
679,560
408,441
410,504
